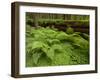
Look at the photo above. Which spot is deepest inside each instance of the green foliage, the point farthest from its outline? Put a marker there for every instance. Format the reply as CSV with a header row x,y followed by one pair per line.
x,y
50,47
69,30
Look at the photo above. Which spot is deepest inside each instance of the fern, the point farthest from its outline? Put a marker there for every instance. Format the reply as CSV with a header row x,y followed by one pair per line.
x,y
50,47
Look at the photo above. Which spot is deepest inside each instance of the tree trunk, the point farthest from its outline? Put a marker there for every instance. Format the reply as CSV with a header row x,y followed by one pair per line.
x,y
35,17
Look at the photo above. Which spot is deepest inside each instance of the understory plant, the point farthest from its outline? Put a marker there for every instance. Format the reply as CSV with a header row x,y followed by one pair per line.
x,y
51,47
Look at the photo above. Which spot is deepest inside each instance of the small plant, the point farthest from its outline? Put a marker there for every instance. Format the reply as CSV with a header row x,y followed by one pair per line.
x,y
69,30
